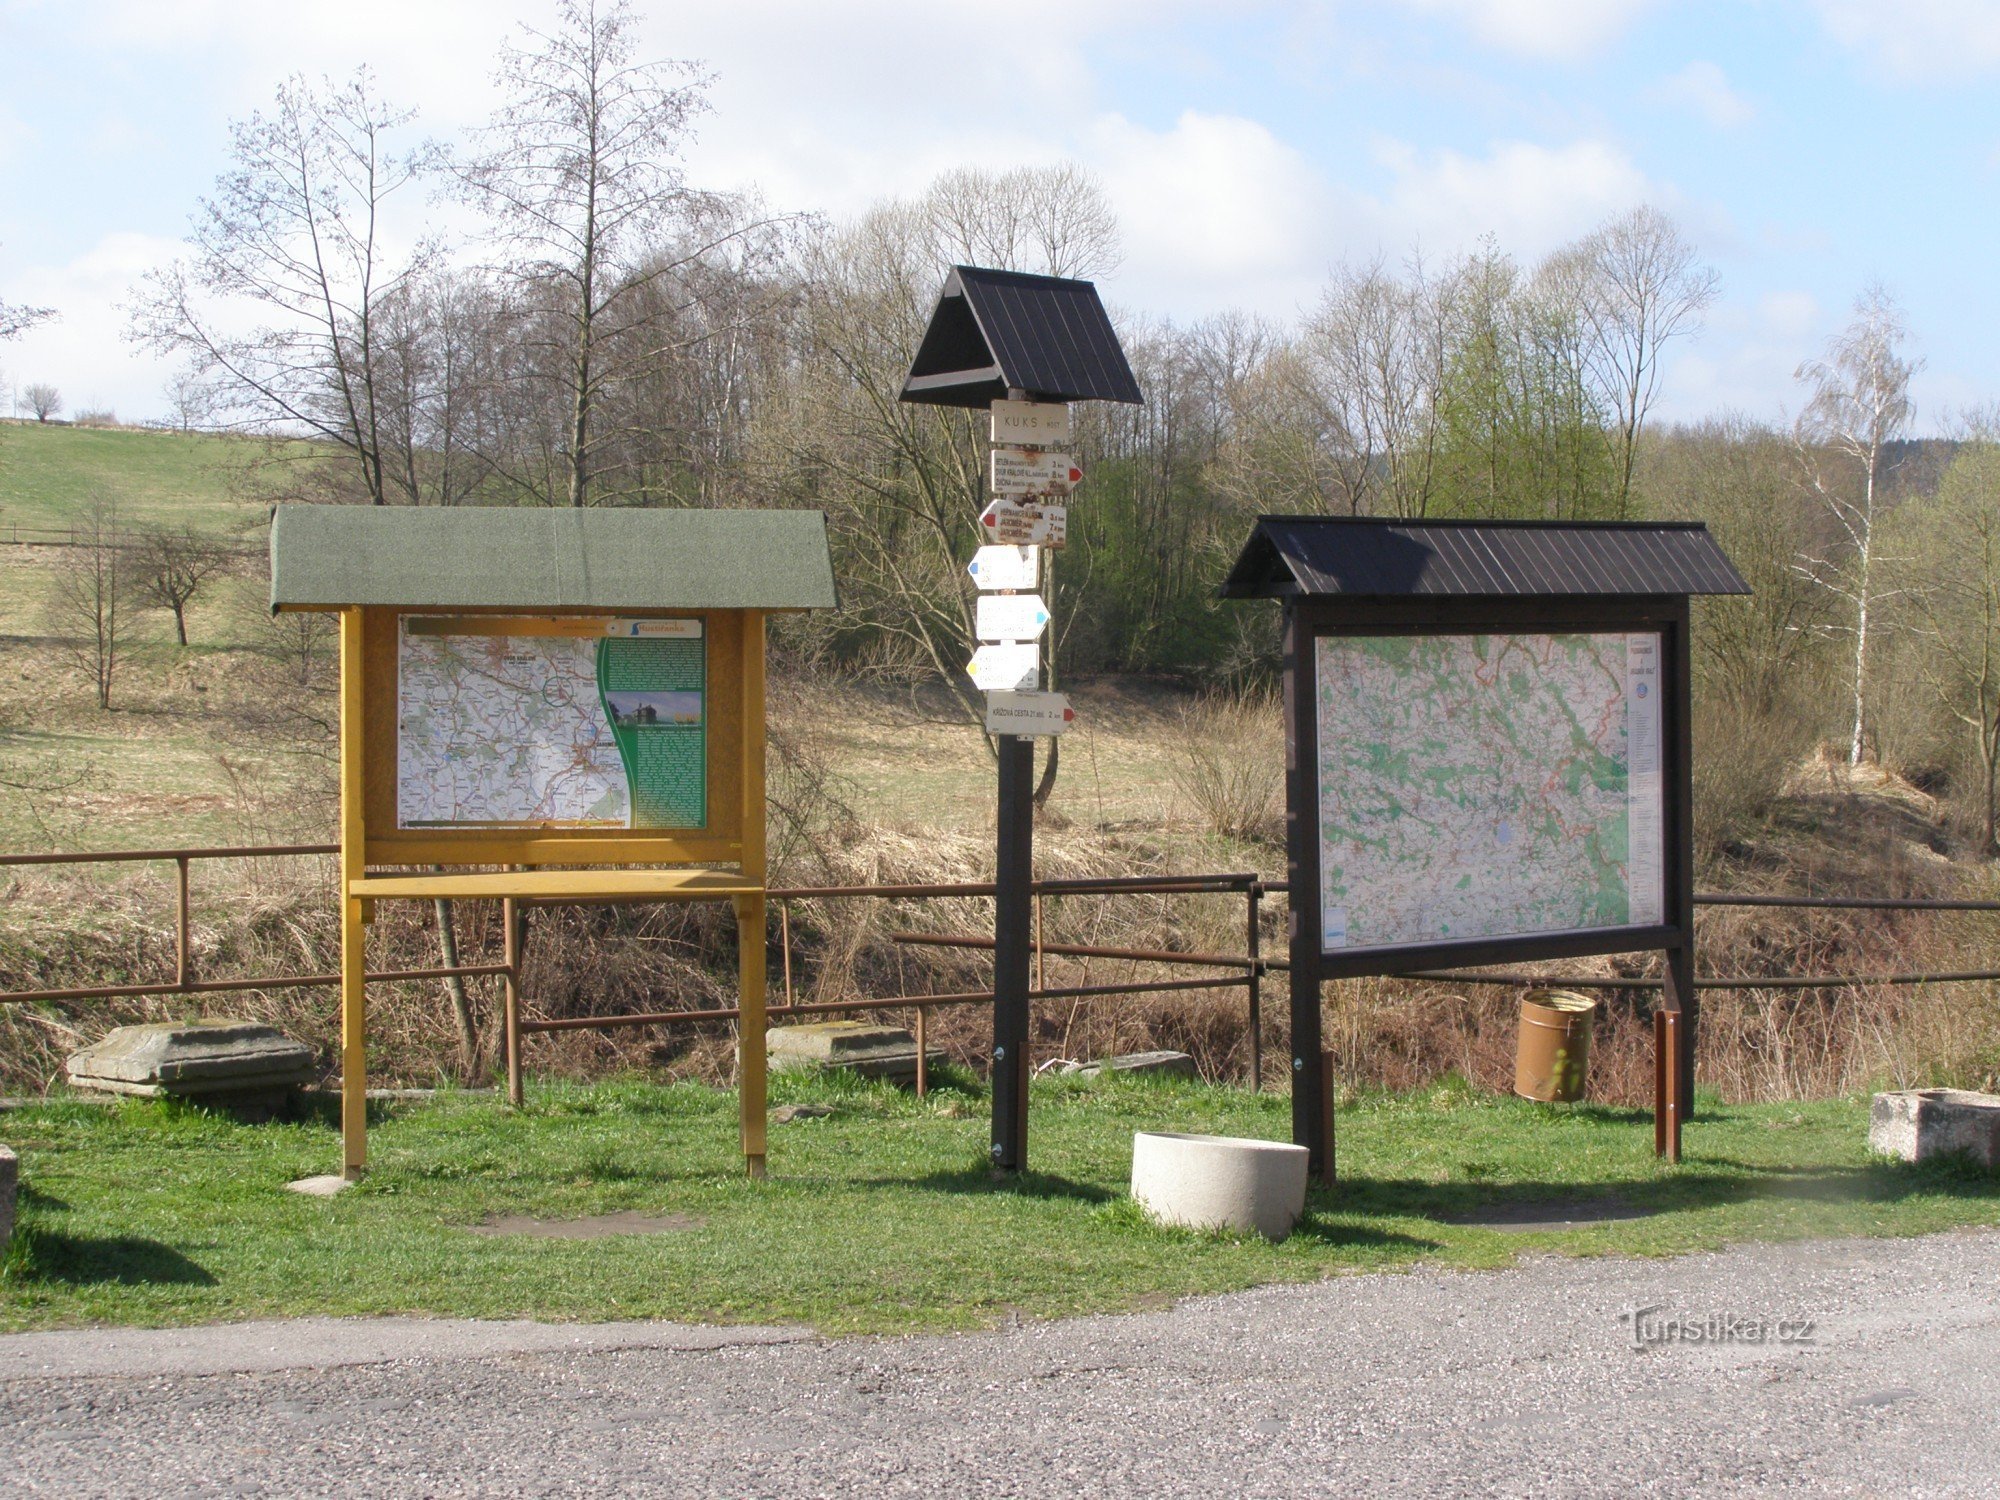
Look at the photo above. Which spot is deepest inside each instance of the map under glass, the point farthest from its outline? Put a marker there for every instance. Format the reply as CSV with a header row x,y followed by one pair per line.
x,y
505,724
1484,786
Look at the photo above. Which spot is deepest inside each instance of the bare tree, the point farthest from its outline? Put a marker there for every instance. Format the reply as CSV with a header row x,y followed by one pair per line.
x,y
580,173
293,238
91,595
16,319
1952,568
1859,403
44,401
1635,286
190,401
171,565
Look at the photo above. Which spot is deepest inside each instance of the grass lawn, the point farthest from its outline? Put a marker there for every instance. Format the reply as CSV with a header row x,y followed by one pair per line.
x,y
881,1216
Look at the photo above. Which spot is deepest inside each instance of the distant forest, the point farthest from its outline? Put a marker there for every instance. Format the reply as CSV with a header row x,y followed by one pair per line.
x,y
616,335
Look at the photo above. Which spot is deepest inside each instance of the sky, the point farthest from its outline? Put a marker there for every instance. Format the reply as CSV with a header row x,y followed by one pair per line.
x,y
1806,147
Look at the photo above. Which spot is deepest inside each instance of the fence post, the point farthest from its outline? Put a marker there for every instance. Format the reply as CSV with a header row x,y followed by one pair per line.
x,y
182,943
1253,949
510,993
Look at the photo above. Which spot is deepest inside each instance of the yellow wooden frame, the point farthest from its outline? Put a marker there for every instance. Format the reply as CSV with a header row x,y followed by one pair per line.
x,y
733,835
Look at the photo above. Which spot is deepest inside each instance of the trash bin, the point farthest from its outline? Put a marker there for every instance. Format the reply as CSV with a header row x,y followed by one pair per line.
x,y
1554,1050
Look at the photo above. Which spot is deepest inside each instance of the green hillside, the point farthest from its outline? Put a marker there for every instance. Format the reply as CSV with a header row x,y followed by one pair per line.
x,y
50,474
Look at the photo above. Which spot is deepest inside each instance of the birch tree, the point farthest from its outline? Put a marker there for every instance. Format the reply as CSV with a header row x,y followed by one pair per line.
x,y
1858,404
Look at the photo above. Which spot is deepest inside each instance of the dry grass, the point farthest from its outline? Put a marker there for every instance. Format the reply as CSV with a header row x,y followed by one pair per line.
x,y
872,788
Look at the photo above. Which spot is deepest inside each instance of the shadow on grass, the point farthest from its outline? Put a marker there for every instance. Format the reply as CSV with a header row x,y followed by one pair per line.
x,y
1526,1204
983,1181
75,1260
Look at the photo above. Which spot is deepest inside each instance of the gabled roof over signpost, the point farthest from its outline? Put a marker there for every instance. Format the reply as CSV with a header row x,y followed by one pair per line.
x,y
996,331
1385,558
334,556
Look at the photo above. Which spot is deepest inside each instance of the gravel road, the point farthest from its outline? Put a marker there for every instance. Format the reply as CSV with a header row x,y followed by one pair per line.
x,y
1519,1382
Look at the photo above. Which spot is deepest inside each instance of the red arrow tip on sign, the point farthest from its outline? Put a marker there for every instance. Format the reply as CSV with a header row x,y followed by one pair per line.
x,y
1075,475
1068,714
986,520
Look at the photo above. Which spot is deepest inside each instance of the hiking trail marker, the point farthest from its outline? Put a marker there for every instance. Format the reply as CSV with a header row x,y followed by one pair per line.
x,y
1003,567
1024,523
1028,471
1011,617
1020,347
1008,668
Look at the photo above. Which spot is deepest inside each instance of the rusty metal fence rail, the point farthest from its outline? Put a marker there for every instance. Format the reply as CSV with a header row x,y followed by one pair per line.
x,y
1246,970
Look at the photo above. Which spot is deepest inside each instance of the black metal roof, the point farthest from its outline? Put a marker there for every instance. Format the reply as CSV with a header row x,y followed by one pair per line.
x,y
999,330
1370,557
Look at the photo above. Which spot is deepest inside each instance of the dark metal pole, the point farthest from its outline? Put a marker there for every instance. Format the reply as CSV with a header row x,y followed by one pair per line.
x,y
1302,897
1013,920
1254,947
1679,962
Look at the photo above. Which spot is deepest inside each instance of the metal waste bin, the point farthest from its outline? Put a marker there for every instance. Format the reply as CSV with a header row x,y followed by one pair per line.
x,y
1554,1051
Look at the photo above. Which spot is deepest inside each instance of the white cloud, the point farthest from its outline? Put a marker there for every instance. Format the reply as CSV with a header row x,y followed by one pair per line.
x,y
1704,89
1530,198
83,352
1563,30
1745,360
1918,39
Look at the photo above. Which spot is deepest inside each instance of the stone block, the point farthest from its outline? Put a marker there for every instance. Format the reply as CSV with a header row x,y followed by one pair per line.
x,y
10,1185
872,1051
1918,1124
1219,1182
1163,1064
221,1060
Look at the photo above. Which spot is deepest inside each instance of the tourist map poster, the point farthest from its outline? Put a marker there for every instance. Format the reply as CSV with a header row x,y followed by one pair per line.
x,y
1487,786
506,722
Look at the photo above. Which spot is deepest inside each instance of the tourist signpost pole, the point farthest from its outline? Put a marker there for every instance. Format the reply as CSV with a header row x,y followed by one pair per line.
x,y
1021,348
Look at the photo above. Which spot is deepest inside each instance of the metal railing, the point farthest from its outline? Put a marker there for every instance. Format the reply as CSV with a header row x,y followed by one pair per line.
x,y
1247,969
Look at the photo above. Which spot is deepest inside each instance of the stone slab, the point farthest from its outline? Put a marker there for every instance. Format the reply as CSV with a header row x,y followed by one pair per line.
x,y
10,1185
857,1046
1919,1124
1163,1064
194,1060
320,1187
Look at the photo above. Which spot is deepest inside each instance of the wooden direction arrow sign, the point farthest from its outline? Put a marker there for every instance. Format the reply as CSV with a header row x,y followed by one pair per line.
x,y
1024,523
1029,471
1012,668
1036,423
1003,567
1028,713
1011,617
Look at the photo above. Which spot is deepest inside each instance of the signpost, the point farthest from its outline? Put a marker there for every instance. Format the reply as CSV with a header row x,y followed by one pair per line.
x,y
1021,347
1028,713
1036,423
1025,523
1011,617
1010,668
1004,567
1027,471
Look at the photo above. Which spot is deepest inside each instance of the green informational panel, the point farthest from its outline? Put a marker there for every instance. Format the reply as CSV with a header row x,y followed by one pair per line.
x,y
524,722
655,696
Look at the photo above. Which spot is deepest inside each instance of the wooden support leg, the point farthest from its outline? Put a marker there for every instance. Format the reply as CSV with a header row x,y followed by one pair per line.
x,y
1667,1084
353,1041
510,989
750,1064
1327,1173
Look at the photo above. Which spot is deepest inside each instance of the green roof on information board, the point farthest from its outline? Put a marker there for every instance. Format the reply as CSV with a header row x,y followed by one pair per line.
x,y
330,556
